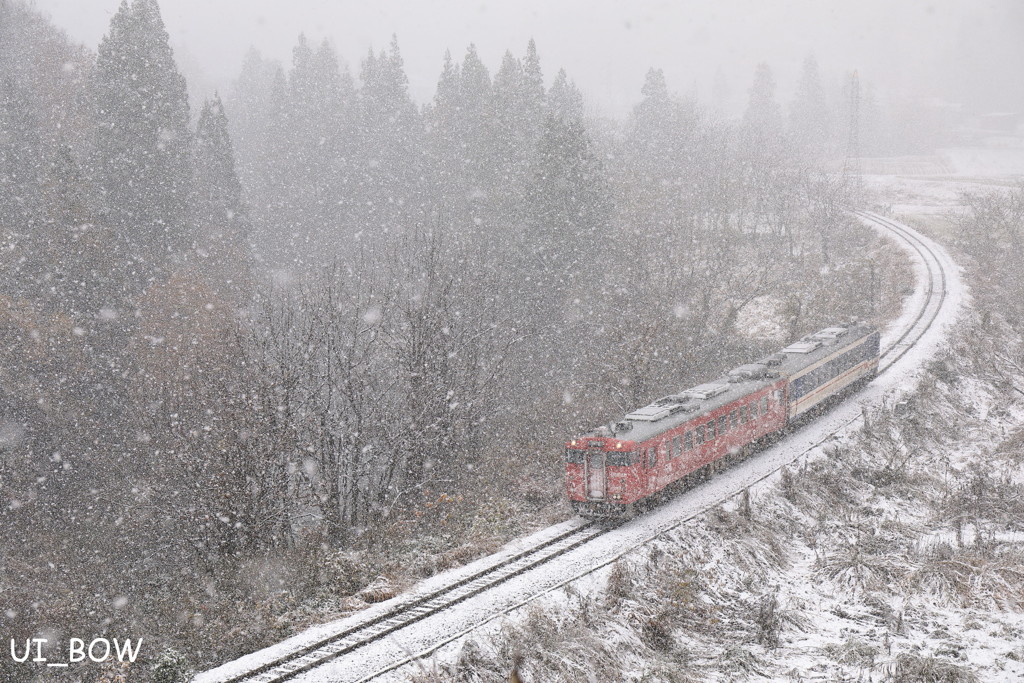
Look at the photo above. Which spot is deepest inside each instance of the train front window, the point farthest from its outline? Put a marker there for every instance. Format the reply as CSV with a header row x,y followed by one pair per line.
x,y
573,455
622,458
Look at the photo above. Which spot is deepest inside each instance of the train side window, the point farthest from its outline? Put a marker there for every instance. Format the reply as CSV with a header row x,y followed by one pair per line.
x,y
652,456
723,424
688,441
710,432
734,419
677,446
700,434
744,415
753,410
764,405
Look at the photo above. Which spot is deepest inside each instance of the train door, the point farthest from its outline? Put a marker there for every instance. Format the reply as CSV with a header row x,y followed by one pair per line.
x,y
651,470
596,475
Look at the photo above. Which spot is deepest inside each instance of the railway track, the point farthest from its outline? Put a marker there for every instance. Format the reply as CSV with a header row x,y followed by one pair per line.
x,y
416,609
328,649
935,288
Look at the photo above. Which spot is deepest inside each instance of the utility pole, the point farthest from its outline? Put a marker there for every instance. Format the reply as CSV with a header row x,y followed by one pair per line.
x,y
851,167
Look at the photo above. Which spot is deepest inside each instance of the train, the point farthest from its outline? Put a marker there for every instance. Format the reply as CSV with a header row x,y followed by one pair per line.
x,y
619,469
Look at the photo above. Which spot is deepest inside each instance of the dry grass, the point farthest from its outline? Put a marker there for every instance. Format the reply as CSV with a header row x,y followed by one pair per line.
x,y
983,577
858,569
913,668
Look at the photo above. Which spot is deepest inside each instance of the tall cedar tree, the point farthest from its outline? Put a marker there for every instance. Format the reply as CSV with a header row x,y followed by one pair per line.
x,y
809,115
762,120
222,229
319,100
389,147
143,141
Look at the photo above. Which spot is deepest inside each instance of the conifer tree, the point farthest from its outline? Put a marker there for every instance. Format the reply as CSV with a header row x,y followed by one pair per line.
x,y
20,162
762,120
248,107
569,209
476,108
444,141
259,118
809,117
519,125
511,144
143,140
443,119
447,97
389,147
318,157
662,128
565,101
661,152
222,230
533,91
459,126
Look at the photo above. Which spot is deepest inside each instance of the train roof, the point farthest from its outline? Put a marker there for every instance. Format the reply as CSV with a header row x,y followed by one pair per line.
x,y
811,348
673,410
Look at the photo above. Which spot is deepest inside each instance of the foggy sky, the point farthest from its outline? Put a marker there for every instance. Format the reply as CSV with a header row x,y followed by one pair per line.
x,y
607,47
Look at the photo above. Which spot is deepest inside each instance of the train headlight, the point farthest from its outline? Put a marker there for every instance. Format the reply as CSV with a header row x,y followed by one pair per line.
x,y
618,445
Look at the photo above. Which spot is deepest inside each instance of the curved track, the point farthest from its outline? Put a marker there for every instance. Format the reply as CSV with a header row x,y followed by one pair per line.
x,y
326,649
935,293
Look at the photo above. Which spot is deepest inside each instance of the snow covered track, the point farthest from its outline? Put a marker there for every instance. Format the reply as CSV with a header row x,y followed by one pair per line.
x,y
380,641
402,611
935,262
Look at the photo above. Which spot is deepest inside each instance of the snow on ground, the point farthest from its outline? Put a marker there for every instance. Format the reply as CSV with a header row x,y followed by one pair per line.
x,y
1003,157
911,187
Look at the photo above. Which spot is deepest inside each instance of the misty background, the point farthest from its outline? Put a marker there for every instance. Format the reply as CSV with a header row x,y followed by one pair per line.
x,y
961,51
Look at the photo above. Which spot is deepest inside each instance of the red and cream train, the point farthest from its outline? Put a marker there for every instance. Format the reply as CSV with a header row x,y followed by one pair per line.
x,y
613,470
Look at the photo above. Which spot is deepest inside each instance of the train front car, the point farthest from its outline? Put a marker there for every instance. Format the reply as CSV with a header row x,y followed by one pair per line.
x,y
673,441
603,474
